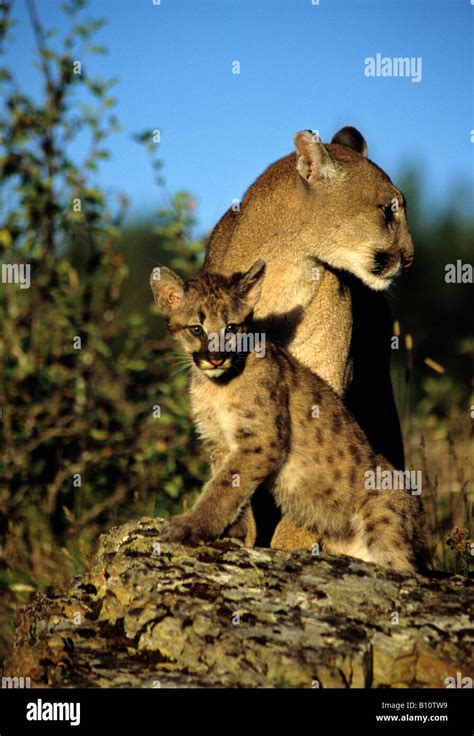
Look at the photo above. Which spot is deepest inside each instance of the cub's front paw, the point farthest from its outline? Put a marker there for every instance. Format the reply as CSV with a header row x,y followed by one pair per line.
x,y
187,529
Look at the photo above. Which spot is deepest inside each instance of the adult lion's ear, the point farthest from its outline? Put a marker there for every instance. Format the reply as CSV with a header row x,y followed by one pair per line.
x,y
313,162
168,288
351,138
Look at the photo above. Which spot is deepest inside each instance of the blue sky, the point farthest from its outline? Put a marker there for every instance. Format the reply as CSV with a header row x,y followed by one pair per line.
x,y
301,66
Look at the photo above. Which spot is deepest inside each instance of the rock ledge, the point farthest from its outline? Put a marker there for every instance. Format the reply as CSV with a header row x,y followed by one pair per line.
x,y
221,615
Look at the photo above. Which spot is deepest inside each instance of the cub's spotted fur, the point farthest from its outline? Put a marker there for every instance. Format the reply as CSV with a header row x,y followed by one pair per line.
x,y
268,419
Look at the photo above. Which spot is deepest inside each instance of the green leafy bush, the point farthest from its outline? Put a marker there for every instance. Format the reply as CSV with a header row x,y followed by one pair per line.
x,y
81,374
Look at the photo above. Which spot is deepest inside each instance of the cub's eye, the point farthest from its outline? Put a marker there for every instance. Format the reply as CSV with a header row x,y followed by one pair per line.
x,y
232,328
196,330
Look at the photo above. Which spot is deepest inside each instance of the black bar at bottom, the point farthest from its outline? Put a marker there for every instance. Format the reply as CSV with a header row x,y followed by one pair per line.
x,y
137,711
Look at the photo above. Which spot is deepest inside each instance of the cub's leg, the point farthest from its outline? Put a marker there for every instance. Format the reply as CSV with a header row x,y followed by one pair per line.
x,y
393,528
244,528
382,552
380,534
382,527
224,496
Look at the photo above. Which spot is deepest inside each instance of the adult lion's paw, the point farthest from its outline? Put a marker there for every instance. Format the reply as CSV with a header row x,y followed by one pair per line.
x,y
187,529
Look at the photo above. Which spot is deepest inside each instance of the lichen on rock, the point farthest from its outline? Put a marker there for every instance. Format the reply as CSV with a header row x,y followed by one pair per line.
x,y
151,614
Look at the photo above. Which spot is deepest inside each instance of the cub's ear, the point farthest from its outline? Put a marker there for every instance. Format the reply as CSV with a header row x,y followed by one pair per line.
x,y
168,288
313,162
351,138
249,286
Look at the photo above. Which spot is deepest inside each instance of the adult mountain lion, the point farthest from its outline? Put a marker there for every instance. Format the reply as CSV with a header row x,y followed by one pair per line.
x,y
332,229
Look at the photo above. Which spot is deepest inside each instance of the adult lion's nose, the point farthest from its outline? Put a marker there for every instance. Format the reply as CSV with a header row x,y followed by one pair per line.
x,y
407,259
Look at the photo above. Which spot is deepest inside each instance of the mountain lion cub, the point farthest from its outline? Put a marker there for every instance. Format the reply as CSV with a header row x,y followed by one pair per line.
x,y
268,419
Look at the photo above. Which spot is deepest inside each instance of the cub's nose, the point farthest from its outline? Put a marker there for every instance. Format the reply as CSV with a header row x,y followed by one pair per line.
x,y
216,361
407,259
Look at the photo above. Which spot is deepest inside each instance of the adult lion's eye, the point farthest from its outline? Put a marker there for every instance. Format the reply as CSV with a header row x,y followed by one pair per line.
x,y
196,330
232,328
388,213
